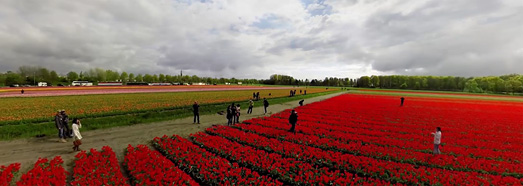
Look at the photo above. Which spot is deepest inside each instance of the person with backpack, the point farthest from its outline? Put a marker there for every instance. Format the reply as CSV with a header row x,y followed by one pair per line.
x,y
251,105
265,105
77,137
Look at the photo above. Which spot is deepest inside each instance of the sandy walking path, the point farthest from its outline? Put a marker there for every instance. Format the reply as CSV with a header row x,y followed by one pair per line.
x,y
27,151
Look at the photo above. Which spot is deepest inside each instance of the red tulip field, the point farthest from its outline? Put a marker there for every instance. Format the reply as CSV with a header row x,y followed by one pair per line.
x,y
349,139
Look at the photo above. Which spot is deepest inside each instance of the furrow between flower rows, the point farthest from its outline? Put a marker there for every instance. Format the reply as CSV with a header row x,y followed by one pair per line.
x,y
384,170
207,167
289,170
358,149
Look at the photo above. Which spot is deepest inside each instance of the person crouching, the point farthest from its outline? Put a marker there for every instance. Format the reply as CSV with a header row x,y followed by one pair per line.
x,y
77,137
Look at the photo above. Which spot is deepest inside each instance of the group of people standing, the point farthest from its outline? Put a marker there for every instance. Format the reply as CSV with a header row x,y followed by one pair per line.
x,y
61,120
233,114
293,92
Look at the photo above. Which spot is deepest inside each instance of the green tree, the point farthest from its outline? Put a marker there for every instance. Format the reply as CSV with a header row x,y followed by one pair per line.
x,y
72,76
131,77
472,86
124,77
53,77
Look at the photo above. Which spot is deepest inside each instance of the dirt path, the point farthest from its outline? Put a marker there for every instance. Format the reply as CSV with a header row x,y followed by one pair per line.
x,y
27,151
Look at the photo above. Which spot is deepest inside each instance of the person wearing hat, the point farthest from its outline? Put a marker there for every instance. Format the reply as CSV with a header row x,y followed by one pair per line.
x,y
293,118
58,121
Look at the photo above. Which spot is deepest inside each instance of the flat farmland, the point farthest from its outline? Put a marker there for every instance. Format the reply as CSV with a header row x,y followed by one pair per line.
x,y
85,90
43,108
349,139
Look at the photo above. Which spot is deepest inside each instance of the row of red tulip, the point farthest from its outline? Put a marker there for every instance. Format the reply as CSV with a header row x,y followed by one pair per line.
x,y
466,147
473,140
149,167
207,167
97,168
416,158
399,149
385,170
45,172
481,120
7,173
457,118
289,170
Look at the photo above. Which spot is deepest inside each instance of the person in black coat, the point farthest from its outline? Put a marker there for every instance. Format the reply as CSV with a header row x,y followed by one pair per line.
x,y
233,113
293,118
65,119
229,115
58,119
265,105
301,102
402,100
196,112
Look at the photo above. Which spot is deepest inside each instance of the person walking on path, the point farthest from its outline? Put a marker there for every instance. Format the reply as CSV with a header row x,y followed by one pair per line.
x,y
301,102
237,113
251,105
229,115
293,118
437,140
60,126
402,100
233,112
196,112
77,137
65,119
265,105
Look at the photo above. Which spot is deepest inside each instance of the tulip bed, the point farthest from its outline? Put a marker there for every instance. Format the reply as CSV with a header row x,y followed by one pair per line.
x,y
149,167
97,168
7,173
207,167
45,172
345,140
289,170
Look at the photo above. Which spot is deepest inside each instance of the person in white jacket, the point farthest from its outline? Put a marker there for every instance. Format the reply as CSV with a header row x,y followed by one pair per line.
x,y
77,137
437,140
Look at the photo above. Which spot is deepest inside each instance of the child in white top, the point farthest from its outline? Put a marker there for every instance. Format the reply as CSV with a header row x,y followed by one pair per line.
x,y
77,137
437,140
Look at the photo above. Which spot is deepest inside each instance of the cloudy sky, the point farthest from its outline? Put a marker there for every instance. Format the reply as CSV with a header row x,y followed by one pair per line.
x,y
257,38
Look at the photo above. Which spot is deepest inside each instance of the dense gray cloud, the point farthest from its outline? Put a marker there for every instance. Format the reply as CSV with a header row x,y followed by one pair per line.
x,y
257,38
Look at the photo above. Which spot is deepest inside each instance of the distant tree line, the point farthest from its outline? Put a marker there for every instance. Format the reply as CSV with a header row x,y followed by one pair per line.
x,y
512,83
30,75
278,79
490,84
